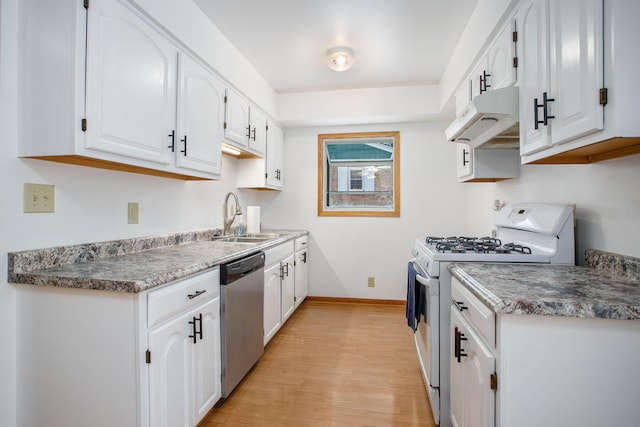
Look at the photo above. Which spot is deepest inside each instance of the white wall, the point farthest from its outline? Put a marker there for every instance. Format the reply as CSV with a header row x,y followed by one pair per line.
x,y
606,196
345,251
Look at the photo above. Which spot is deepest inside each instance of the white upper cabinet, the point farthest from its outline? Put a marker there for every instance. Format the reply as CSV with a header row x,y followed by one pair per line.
x,y
128,112
106,95
268,172
200,112
236,121
275,158
463,97
576,68
486,164
534,75
245,127
463,161
496,69
562,72
259,129
501,59
578,80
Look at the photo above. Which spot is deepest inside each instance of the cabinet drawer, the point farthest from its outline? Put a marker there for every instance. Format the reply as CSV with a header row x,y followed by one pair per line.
x,y
180,296
475,312
301,243
278,253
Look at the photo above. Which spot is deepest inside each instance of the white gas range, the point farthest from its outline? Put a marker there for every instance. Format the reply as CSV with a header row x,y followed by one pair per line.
x,y
525,232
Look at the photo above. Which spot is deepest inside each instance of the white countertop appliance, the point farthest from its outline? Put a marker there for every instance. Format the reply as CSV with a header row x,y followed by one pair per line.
x,y
525,232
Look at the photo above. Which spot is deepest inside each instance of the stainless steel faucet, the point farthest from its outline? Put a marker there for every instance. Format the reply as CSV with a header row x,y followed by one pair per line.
x,y
238,211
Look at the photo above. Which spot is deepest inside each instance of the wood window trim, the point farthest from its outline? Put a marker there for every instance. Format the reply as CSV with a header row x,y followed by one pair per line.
x,y
395,212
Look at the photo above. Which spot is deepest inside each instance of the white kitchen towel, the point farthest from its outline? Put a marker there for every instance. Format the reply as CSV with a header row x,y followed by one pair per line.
x,y
253,219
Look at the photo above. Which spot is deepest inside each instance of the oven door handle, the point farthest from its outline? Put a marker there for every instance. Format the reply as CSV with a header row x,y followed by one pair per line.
x,y
429,283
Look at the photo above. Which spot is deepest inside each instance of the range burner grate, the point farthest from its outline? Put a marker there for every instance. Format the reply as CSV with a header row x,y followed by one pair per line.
x,y
487,245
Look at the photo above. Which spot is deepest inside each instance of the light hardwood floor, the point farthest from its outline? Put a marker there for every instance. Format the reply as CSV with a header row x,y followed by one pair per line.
x,y
333,364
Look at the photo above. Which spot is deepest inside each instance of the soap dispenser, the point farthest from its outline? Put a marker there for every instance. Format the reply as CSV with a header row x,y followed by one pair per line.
x,y
242,228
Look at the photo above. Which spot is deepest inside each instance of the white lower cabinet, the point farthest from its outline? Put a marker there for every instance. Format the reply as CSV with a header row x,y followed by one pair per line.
x,y
473,363
184,373
104,359
288,287
531,371
272,313
301,275
279,288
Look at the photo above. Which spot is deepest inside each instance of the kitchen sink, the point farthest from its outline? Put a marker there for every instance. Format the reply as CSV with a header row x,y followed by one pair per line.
x,y
254,238
242,239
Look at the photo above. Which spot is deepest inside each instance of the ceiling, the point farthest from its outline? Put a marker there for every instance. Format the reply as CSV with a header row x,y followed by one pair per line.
x,y
395,42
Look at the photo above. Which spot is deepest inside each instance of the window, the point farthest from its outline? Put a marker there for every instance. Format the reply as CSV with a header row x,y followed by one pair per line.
x,y
358,174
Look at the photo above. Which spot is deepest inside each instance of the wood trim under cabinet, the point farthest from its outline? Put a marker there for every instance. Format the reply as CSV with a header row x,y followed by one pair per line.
x,y
114,166
369,301
612,148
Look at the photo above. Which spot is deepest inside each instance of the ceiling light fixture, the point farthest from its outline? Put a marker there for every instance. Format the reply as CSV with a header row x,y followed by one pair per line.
x,y
340,58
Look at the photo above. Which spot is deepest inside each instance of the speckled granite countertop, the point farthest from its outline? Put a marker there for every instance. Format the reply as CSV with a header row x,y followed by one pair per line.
x,y
132,265
552,290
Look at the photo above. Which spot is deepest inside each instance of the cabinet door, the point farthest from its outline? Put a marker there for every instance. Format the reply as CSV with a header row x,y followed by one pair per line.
x,y
456,376
288,288
576,68
301,277
464,166
500,58
472,398
480,398
131,85
534,74
258,136
275,157
207,386
200,118
170,373
236,121
272,312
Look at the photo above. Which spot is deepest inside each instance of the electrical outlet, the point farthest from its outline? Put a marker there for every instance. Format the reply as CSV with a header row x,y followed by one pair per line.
x,y
132,213
39,198
371,282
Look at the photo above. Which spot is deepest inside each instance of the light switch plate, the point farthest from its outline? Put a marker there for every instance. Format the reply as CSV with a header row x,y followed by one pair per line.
x,y
132,213
39,198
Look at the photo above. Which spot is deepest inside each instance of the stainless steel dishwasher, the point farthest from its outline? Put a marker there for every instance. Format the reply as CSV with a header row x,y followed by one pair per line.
x,y
241,313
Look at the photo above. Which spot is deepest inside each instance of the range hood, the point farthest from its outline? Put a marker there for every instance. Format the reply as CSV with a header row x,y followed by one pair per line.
x,y
490,120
